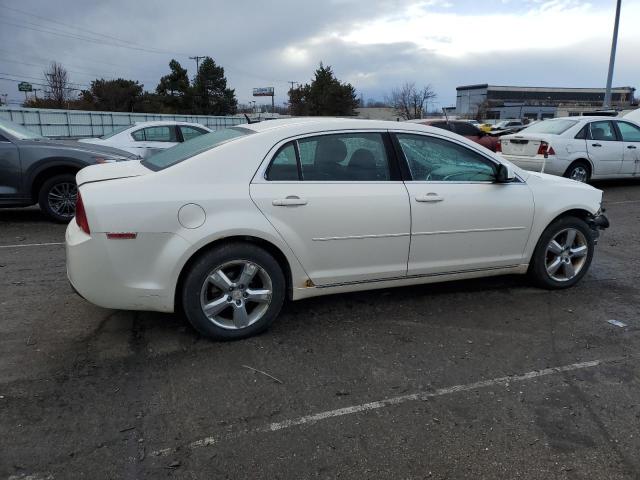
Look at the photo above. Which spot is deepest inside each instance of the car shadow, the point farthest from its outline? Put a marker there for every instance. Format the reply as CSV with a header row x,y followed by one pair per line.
x,y
21,215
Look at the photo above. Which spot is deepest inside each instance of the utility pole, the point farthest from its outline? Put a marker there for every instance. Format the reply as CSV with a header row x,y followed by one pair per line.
x,y
197,58
35,92
612,57
292,84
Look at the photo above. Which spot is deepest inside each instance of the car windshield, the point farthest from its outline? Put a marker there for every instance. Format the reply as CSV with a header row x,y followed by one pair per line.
x,y
554,127
115,132
18,131
193,147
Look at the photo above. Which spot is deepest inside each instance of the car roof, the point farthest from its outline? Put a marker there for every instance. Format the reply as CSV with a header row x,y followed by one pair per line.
x,y
160,123
313,124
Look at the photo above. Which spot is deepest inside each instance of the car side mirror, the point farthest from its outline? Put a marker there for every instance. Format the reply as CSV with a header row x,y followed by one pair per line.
x,y
505,174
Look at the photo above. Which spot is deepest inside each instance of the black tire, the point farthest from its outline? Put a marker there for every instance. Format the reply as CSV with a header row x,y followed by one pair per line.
x,y
541,257
59,184
580,170
192,289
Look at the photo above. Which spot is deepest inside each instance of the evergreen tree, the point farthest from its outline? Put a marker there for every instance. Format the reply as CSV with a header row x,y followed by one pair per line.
x,y
210,93
173,90
325,96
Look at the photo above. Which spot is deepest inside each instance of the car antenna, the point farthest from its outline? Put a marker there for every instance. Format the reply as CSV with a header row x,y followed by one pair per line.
x,y
249,121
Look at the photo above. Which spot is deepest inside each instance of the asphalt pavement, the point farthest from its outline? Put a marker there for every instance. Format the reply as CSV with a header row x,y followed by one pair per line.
x,y
491,378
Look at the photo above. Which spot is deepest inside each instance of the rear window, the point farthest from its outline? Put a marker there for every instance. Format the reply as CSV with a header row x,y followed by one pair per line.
x,y
554,127
193,147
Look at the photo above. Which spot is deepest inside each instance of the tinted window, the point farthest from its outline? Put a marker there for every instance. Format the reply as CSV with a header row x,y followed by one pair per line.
x,y
344,157
602,131
582,134
630,133
284,165
138,135
434,159
465,129
443,125
179,153
160,134
191,132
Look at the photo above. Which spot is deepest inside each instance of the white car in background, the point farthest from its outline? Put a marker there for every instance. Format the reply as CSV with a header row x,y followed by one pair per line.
x,y
146,138
580,148
228,225
633,115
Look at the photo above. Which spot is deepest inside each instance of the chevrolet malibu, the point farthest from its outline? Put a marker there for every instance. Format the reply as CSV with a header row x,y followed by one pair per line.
x,y
227,226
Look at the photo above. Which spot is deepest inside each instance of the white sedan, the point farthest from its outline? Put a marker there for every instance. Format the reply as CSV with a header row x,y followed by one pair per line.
x,y
146,138
580,148
227,226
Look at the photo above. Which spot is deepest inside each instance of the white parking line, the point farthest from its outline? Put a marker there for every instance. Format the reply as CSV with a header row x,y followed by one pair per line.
x,y
387,402
621,202
22,245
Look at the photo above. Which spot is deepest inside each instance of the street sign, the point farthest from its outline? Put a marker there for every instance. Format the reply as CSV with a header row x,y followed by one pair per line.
x,y
263,92
25,87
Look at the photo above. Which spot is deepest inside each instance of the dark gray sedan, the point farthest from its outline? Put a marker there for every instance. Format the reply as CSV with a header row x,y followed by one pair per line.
x,y
35,169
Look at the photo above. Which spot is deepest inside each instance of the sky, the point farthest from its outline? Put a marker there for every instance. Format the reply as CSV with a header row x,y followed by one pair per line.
x,y
376,45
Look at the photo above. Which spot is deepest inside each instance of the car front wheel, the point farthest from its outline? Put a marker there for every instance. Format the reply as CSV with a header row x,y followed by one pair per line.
x,y
233,291
563,254
57,197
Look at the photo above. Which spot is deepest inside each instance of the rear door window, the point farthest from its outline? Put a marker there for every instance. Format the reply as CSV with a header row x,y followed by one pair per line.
x,y
603,131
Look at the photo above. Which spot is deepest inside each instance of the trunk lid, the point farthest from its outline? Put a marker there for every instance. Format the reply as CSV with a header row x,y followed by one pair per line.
x,y
111,171
522,144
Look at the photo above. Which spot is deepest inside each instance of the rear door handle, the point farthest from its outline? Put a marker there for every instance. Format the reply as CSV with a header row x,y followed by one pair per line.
x,y
429,197
633,147
290,201
596,145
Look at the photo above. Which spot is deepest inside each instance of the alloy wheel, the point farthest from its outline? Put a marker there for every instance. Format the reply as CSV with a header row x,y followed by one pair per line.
x,y
236,294
62,199
566,254
579,174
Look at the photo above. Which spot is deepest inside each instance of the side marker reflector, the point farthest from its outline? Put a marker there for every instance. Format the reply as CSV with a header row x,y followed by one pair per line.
x,y
121,236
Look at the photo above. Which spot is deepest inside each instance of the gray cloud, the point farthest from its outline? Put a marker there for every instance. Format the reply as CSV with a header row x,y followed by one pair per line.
x,y
251,40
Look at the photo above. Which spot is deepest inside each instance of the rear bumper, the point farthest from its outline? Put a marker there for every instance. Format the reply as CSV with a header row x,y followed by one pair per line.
x,y
538,163
124,274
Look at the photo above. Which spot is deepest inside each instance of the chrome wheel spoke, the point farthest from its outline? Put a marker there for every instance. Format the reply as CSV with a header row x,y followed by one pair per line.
x,y
571,237
259,296
240,316
220,280
248,272
555,248
569,270
216,306
553,267
578,251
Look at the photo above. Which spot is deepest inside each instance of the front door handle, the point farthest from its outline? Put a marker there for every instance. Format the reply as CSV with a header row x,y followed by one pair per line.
x,y
429,197
632,147
596,145
290,201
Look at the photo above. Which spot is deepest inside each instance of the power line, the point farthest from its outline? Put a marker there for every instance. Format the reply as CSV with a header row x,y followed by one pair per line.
x,y
197,59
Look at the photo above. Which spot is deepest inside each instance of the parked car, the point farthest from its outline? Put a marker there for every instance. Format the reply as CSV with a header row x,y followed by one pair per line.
x,y
35,169
580,148
228,225
466,129
633,115
507,126
146,138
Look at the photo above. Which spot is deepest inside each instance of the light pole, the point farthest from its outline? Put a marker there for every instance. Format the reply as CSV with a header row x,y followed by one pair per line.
x,y
612,57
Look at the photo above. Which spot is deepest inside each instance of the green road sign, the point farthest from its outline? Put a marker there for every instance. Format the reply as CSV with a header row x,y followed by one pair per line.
x,y
25,87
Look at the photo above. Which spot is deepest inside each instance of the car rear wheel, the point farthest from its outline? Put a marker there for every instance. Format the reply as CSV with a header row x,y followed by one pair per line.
x,y
233,291
57,197
579,171
563,254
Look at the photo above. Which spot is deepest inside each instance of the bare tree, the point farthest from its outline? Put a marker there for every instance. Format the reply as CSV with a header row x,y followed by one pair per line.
x,y
409,102
58,83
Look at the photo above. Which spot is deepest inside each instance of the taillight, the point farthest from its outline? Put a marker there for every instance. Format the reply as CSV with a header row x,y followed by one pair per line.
x,y
499,146
545,149
81,215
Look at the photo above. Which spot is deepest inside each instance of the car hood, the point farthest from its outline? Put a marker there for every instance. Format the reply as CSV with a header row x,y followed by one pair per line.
x,y
77,146
111,171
